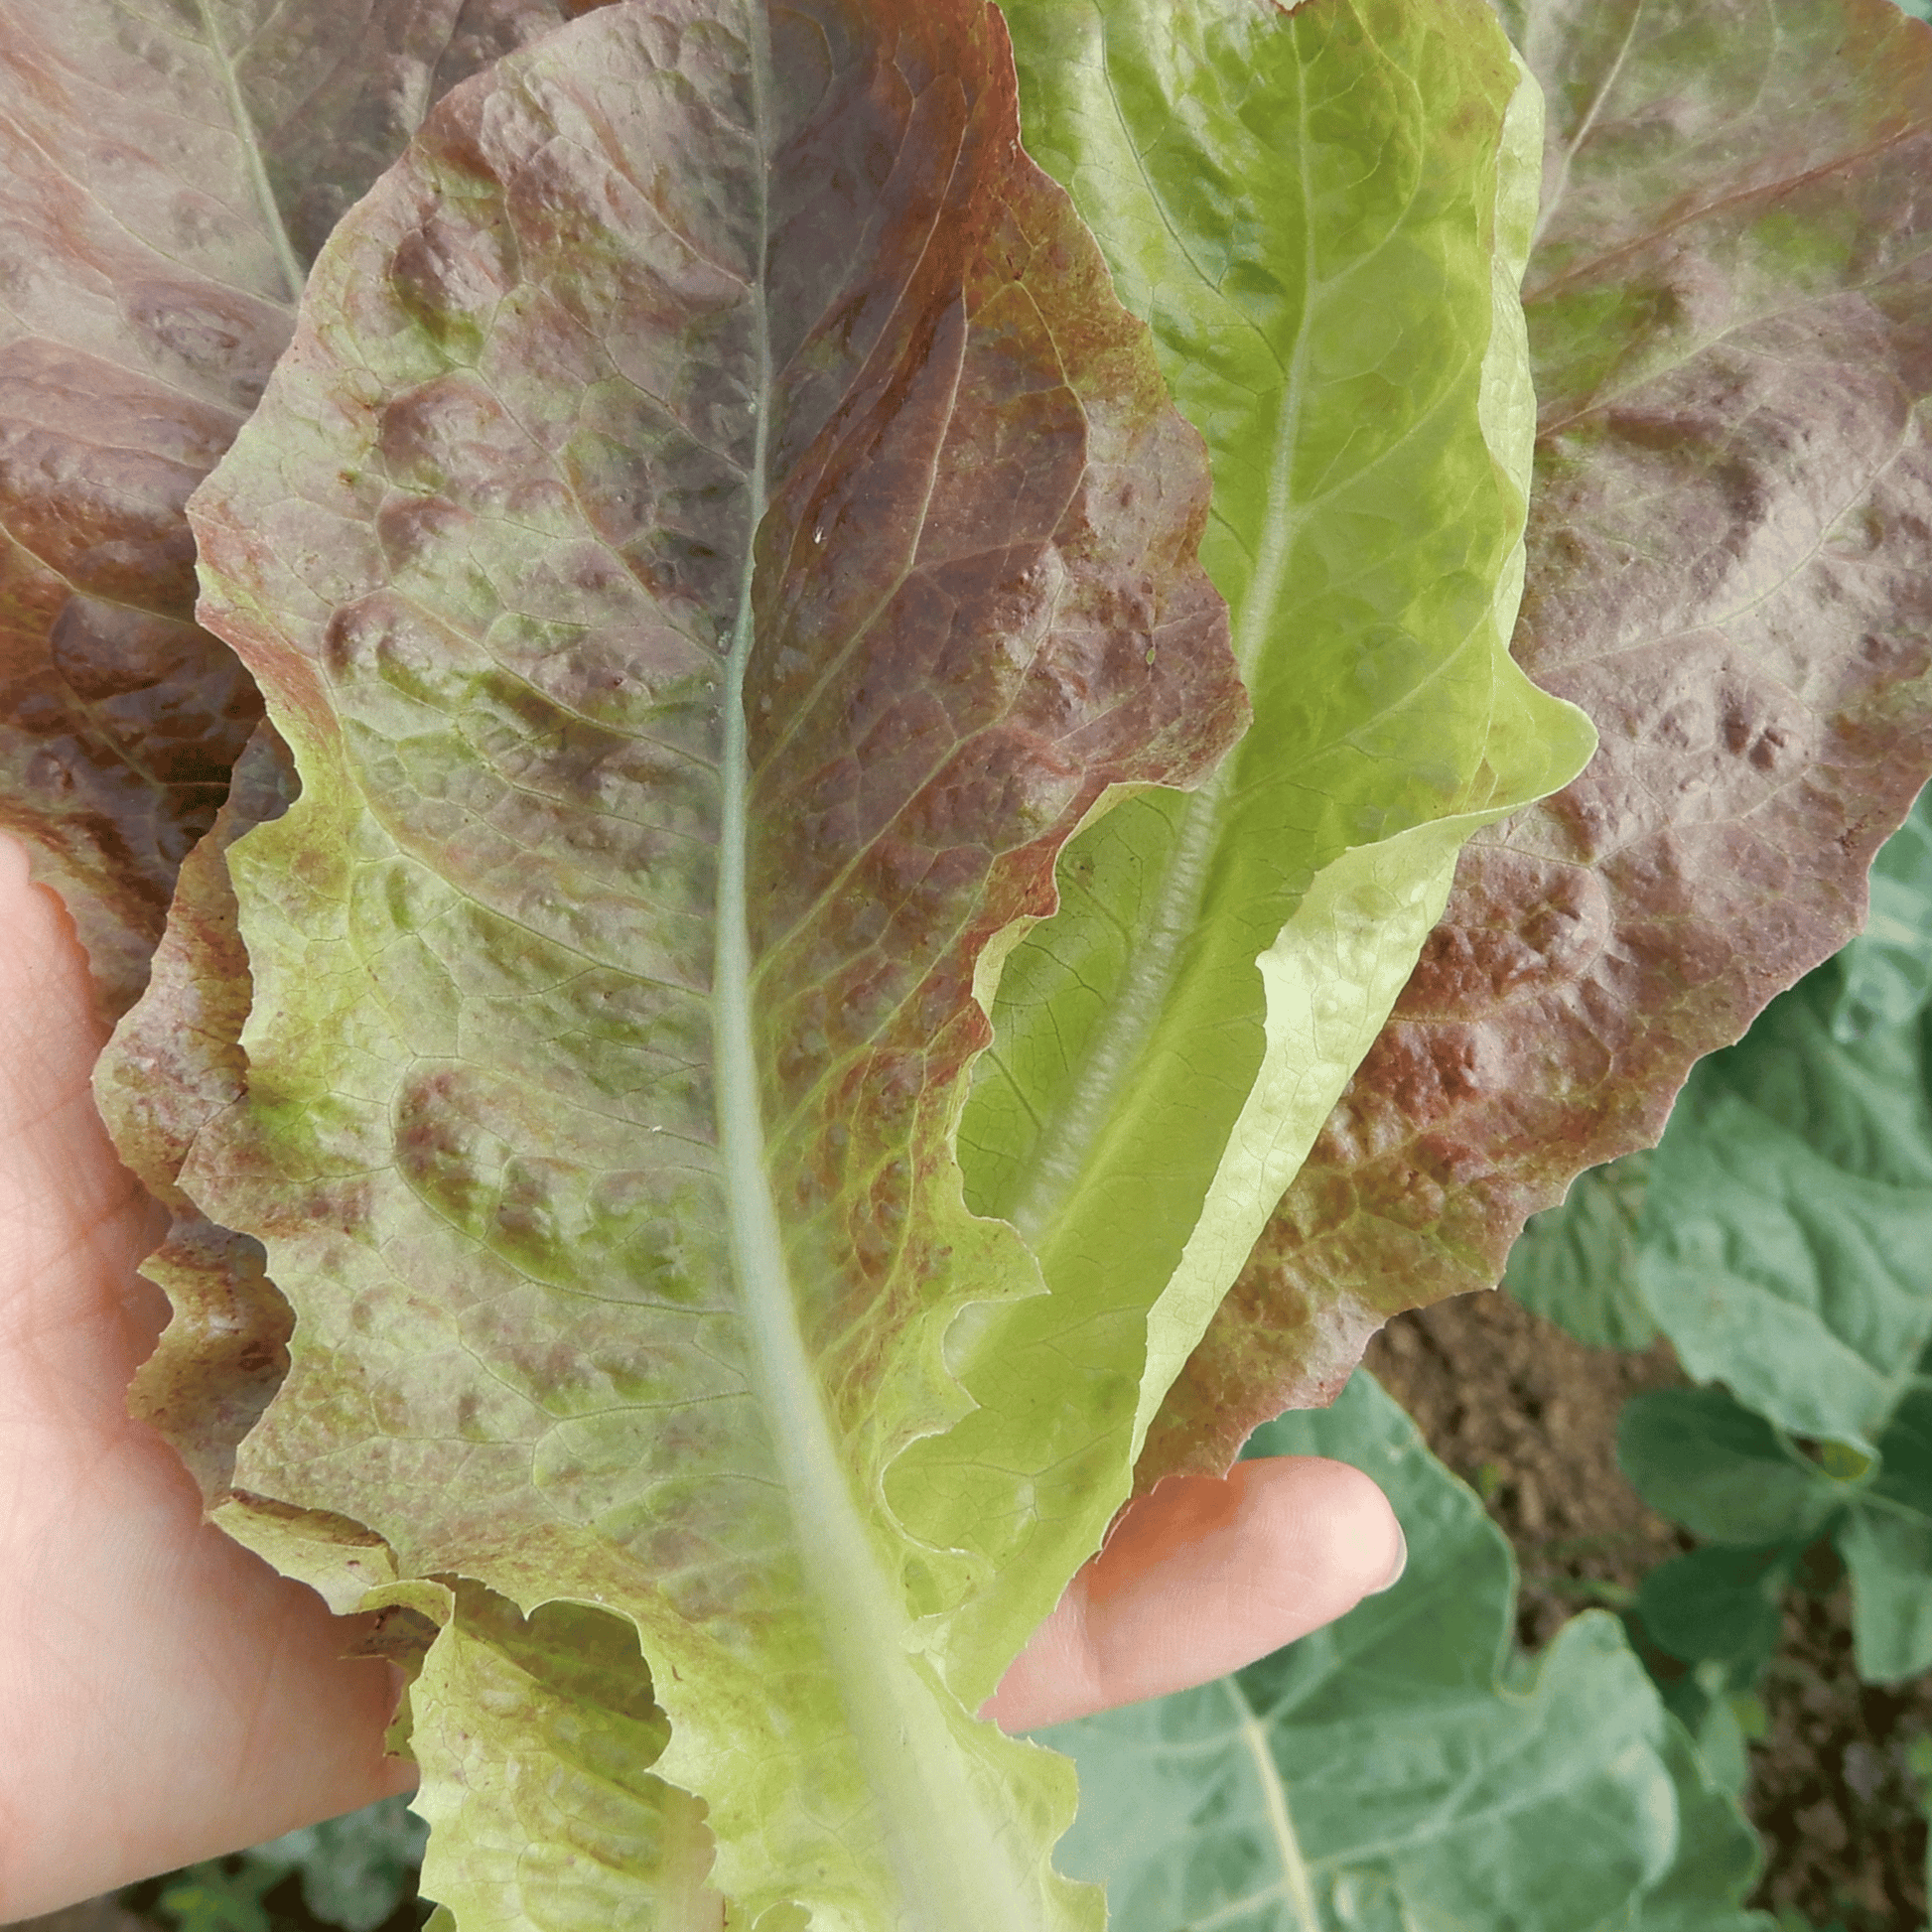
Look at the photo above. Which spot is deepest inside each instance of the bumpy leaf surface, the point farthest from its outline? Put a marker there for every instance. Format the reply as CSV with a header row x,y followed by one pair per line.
x,y
1401,1770
167,172
1322,215
173,1066
1730,322
712,540
1579,1264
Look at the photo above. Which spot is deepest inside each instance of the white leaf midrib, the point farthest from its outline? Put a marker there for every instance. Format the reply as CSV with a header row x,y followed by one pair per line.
x,y
1296,1885
952,1866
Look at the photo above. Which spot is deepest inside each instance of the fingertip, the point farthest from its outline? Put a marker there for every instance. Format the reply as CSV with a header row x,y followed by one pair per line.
x,y
1333,1528
1203,1576
1397,1567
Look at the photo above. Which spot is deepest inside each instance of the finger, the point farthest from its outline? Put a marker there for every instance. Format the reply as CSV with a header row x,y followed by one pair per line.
x,y
1199,1578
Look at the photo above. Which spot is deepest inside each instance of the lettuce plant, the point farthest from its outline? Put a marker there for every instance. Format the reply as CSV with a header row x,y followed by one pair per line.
x,y
687,1197
1728,311
939,522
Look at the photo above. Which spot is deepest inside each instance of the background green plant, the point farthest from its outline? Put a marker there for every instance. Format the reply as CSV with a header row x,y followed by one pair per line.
x,y
355,1873
1408,1766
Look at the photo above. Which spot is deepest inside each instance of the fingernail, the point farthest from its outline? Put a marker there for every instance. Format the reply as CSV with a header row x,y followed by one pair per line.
x,y
1401,1563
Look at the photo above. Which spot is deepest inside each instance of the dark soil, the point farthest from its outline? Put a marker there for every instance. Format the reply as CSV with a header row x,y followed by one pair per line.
x,y
96,1915
1833,1789
1527,1417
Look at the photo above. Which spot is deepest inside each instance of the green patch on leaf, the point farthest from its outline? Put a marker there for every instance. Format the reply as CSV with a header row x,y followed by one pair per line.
x,y
1322,215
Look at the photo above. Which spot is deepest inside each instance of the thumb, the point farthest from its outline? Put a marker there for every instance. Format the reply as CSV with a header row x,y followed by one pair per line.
x,y
1200,1577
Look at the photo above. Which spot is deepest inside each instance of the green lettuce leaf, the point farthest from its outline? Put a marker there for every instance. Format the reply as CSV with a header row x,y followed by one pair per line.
x,y
1322,216
166,176
570,1829
1729,323
1404,1768
711,542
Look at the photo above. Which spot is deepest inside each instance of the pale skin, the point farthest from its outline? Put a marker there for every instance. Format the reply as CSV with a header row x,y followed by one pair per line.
x,y
164,1697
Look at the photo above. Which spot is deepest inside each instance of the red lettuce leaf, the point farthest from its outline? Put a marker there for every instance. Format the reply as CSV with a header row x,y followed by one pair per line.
x,y
174,1066
166,177
711,541
1730,321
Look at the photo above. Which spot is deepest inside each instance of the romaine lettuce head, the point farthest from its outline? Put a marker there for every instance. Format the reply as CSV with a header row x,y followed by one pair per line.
x,y
710,542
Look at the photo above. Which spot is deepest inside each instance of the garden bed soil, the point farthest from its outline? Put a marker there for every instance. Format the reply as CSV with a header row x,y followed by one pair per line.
x,y
1527,1417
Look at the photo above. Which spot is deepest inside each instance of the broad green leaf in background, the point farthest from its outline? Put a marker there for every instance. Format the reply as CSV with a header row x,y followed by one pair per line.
x,y
1719,1610
1575,1264
355,1871
1731,1477
1730,305
1321,213
1726,1474
1789,1217
1887,1543
712,540
1888,966
167,173
210,1898
1404,1768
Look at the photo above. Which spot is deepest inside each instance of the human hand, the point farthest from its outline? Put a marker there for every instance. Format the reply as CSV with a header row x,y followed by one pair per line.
x,y
164,1697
